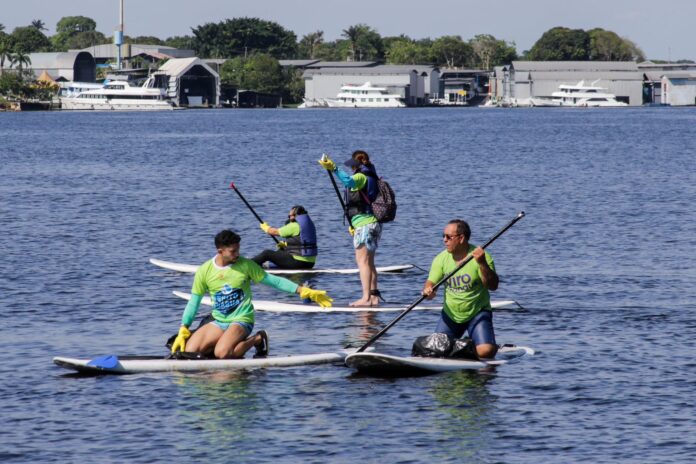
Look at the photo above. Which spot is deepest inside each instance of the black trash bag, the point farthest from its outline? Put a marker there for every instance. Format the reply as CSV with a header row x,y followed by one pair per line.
x,y
437,345
204,321
463,348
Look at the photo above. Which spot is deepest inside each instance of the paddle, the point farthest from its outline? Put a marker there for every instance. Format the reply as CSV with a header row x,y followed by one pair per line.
x,y
519,216
338,194
249,206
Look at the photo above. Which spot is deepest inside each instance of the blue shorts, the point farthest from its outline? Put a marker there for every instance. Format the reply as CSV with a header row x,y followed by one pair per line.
x,y
368,235
244,325
479,327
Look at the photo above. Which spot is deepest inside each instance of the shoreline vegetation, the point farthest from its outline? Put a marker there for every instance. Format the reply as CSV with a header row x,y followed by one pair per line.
x,y
253,47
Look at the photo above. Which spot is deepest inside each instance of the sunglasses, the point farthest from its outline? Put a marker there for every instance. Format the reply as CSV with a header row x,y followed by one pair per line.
x,y
450,237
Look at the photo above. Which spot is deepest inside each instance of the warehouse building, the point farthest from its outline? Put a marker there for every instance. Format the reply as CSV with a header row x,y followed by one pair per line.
x,y
521,81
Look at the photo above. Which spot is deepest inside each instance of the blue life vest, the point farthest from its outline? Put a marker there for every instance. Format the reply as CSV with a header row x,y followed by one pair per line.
x,y
306,243
355,200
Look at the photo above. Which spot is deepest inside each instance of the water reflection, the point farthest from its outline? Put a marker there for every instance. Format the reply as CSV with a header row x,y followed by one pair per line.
x,y
363,327
467,407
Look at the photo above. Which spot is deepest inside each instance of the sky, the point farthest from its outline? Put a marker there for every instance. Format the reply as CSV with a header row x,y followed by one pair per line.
x,y
663,30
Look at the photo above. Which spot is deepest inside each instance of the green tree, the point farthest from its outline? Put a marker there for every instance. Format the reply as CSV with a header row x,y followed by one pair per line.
x,y
183,42
489,51
20,60
86,39
561,44
365,43
68,27
407,51
5,53
244,36
144,40
309,44
11,84
259,72
29,40
293,85
452,52
38,24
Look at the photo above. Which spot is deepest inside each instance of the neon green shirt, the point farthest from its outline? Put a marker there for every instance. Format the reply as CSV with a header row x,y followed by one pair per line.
x,y
292,229
361,219
229,288
465,294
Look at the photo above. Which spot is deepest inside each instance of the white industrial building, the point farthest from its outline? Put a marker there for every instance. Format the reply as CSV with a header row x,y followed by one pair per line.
x,y
520,81
65,66
679,89
415,83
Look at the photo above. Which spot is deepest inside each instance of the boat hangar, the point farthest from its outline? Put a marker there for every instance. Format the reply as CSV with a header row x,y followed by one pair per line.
x,y
189,82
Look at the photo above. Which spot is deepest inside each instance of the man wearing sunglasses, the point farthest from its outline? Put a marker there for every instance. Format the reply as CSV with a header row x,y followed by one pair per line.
x,y
467,303
299,250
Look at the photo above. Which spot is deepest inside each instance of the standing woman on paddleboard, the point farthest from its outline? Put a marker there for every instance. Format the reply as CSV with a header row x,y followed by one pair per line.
x,y
467,304
299,250
361,190
227,278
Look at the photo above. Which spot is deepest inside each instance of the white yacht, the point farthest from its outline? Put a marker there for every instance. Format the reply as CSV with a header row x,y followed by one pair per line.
x,y
119,95
365,96
580,95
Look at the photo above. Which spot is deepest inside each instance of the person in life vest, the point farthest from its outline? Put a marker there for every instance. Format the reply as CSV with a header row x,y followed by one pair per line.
x,y
361,190
227,277
467,304
299,249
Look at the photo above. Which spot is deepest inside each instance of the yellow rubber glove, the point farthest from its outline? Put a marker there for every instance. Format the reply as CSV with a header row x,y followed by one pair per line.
x,y
264,227
180,340
282,245
351,231
326,163
318,296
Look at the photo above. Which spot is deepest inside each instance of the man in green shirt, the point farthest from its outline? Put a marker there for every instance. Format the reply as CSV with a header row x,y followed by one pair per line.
x,y
467,304
227,278
299,250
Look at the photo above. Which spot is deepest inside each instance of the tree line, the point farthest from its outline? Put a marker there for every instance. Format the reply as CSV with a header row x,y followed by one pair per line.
x,y
254,47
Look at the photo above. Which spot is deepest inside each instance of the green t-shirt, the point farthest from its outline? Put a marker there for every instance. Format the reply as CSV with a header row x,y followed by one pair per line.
x,y
292,229
229,288
465,294
361,219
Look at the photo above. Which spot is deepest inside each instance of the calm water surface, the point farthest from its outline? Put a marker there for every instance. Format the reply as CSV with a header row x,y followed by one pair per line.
x,y
603,264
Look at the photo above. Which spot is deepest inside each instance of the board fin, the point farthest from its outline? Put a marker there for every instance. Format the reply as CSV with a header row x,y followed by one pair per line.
x,y
108,361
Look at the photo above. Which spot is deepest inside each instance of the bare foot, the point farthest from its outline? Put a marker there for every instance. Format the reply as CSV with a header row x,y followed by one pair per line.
x,y
361,303
374,301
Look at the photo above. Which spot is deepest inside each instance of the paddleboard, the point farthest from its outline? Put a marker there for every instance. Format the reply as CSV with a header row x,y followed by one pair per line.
x,y
112,364
191,268
278,307
381,364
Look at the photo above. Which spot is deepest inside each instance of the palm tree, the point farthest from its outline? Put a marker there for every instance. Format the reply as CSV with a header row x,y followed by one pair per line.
x,y
5,54
2,27
38,24
20,59
312,42
353,34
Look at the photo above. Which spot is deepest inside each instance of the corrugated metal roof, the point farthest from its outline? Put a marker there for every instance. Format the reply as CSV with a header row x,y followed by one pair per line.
x,y
575,65
178,66
575,76
377,70
298,63
343,64
63,60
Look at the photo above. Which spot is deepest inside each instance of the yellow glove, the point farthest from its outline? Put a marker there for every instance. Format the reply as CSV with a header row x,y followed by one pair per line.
x,y
264,227
281,245
351,231
318,296
326,163
180,340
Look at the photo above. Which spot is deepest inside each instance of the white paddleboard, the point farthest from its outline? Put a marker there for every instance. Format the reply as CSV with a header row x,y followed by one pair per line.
x,y
191,268
140,364
388,365
278,307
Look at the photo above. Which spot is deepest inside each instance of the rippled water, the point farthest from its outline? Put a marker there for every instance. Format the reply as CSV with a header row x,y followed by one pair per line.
x,y
603,264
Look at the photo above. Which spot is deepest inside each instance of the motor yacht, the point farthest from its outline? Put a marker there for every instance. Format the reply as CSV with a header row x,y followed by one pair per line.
x,y
119,95
365,96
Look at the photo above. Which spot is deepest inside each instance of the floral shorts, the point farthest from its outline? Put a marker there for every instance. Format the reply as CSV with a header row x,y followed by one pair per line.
x,y
368,235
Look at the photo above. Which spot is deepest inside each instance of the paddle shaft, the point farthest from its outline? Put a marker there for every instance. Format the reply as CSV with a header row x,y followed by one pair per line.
x,y
249,206
443,280
338,194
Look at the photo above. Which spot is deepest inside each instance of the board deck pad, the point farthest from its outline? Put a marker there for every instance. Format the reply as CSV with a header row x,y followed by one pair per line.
x,y
191,268
386,365
279,307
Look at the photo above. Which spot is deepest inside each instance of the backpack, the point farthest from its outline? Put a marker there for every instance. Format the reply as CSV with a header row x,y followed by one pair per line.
x,y
384,204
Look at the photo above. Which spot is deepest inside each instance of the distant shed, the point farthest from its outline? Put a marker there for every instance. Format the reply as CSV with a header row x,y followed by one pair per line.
x,y
190,82
65,66
679,89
